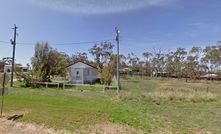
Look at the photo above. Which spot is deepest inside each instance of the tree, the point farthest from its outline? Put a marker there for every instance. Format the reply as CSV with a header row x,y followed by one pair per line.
x,y
123,63
147,56
158,62
192,63
48,62
102,53
109,71
212,57
179,61
133,62
105,60
79,57
169,61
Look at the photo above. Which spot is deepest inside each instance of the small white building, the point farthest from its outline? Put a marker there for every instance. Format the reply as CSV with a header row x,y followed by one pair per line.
x,y
209,76
82,72
8,68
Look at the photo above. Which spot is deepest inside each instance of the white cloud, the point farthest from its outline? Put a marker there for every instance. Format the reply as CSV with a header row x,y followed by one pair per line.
x,y
99,6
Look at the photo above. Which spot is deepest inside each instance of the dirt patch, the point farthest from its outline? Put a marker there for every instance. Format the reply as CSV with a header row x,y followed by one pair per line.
x,y
109,128
14,127
168,130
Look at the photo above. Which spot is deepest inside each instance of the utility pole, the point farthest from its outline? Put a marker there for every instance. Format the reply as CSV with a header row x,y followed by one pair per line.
x,y
13,42
3,90
118,43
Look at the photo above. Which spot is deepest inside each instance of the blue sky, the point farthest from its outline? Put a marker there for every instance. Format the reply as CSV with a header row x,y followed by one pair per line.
x,y
144,24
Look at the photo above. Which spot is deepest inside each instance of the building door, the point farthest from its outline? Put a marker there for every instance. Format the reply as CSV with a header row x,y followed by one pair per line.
x,y
78,75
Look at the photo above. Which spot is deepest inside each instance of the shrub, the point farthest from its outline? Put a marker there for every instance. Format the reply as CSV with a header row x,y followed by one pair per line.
x,y
27,79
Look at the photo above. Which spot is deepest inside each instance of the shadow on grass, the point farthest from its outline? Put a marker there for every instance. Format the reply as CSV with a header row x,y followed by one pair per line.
x,y
15,117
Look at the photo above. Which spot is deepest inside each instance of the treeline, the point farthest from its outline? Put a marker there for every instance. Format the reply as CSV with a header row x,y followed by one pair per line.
x,y
47,62
179,63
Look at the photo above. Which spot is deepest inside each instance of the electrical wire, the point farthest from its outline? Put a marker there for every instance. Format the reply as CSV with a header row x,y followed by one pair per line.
x,y
4,42
57,44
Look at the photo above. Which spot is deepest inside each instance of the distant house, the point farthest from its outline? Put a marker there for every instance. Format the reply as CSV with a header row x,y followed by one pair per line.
x,y
82,72
209,76
8,68
161,74
125,70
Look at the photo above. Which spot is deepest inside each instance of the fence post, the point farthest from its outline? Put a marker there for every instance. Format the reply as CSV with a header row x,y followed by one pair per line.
x,y
46,84
103,88
3,91
63,85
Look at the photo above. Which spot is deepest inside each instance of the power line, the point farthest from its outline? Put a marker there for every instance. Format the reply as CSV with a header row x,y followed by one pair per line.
x,y
62,44
5,42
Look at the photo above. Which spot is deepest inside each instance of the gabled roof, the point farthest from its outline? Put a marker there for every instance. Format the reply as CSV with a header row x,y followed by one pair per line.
x,y
84,62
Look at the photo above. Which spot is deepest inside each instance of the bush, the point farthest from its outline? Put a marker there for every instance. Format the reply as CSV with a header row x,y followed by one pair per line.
x,y
27,79
107,75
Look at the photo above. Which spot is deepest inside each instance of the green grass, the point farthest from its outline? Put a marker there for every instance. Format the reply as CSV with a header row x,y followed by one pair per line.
x,y
71,109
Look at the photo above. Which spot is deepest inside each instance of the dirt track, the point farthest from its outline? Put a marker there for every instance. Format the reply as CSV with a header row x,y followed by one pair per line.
x,y
15,127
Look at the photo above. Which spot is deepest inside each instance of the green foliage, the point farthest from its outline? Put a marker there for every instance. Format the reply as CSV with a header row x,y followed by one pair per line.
x,y
102,53
107,75
27,79
133,62
76,57
108,71
1,78
48,62
105,60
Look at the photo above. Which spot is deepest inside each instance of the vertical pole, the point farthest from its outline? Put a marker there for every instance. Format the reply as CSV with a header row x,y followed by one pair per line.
x,y
3,92
118,74
2,104
13,55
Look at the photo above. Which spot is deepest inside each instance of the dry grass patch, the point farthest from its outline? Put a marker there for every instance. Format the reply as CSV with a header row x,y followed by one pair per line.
x,y
169,130
108,128
182,94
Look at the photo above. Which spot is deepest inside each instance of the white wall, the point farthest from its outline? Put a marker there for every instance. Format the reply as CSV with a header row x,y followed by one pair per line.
x,y
7,68
87,74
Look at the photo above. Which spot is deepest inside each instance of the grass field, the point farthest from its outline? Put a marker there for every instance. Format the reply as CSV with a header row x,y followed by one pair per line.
x,y
152,106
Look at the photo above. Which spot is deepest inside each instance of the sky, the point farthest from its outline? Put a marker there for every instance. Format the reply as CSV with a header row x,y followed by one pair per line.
x,y
144,25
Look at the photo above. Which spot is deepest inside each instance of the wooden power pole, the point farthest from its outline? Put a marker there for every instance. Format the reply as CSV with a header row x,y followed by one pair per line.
x,y
13,42
118,58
